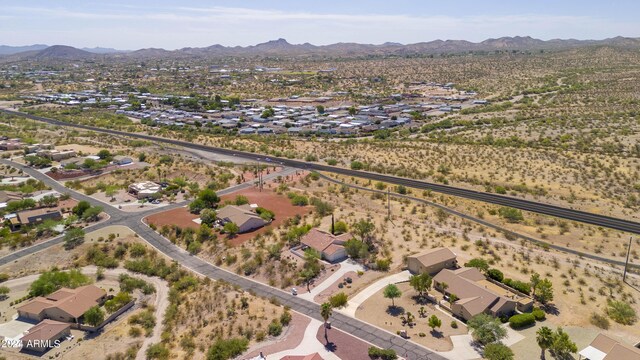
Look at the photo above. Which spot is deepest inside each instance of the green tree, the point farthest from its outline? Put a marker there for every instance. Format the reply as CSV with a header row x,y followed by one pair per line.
x,y
50,281
562,346
497,351
421,283
209,198
533,281
49,201
320,109
356,249
92,213
364,229
486,329
391,291
81,207
111,191
495,274
311,267
544,338
208,216
231,229
434,323
478,263
196,206
94,316
73,238
544,291
340,227
104,154
325,312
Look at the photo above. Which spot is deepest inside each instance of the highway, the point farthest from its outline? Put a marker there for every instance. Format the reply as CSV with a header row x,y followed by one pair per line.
x,y
503,200
355,327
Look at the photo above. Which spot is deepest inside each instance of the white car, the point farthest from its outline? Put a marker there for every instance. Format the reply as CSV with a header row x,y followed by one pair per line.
x,y
294,291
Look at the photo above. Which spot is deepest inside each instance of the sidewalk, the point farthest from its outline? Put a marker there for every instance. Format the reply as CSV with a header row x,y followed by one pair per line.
x,y
345,267
309,345
363,295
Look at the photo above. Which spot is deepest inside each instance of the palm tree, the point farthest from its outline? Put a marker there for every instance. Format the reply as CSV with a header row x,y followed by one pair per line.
x,y
544,337
325,312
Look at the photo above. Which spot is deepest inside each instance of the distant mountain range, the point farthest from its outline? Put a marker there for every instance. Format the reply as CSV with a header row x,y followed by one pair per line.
x,y
281,47
10,50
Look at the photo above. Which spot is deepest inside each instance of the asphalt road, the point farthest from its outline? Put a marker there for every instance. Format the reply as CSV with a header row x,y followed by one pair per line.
x,y
491,225
527,205
360,329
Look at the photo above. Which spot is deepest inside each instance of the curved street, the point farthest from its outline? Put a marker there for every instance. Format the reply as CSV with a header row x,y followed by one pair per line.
x,y
350,325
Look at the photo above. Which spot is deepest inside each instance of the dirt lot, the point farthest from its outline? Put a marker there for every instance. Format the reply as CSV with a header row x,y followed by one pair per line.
x,y
57,256
377,311
268,199
279,204
180,217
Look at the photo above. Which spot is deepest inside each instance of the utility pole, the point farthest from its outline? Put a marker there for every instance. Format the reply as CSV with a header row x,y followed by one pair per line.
x,y
388,204
626,264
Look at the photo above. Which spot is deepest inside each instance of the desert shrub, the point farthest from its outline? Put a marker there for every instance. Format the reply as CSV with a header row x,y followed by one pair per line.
x,y
539,314
510,214
157,351
495,274
383,264
224,349
521,320
53,280
384,354
621,312
130,283
285,318
299,200
521,286
600,321
338,300
275,328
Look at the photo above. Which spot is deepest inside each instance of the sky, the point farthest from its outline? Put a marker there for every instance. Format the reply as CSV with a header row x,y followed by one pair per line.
x,y
174,24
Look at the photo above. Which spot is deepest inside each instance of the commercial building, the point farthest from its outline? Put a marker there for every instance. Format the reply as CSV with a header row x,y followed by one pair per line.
x,y
144,189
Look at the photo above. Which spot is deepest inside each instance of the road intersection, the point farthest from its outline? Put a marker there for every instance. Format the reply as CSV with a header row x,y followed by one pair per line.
x,y
134,221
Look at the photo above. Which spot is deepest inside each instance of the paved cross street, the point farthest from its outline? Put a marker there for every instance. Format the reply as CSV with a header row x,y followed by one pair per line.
x,y
355,327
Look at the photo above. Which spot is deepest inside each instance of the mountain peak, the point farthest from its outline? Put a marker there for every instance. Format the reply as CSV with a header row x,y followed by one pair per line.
x,y
62,52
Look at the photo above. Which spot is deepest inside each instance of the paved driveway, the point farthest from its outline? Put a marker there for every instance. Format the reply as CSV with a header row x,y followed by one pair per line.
x,y
345,267
14,329
363,295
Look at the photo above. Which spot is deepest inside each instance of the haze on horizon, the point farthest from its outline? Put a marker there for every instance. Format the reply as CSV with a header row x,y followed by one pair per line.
x,y
196,23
